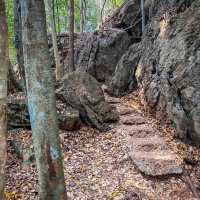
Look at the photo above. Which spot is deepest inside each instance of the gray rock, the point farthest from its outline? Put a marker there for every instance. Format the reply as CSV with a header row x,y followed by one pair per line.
x,y
100,53
82,92
123,80
69,119
127,17
168,73
18,116
132,119
150,152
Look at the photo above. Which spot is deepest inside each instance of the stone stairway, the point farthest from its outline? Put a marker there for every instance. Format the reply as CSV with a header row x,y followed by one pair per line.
x,y
146,147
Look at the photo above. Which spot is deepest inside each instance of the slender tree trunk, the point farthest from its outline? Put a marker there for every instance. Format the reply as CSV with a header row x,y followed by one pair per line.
x,y
58,16
142,14
3,93
18,37
41,101
82,16
50,6
102,10
71,33
99,4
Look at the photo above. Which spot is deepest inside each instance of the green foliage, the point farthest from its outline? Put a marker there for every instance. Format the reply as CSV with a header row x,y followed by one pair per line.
x,y
10,21
61,17
92,13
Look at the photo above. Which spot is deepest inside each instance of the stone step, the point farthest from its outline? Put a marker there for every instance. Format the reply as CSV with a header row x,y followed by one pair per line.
x,y
150,153
124,110
138,131
112,100
132,119
148,144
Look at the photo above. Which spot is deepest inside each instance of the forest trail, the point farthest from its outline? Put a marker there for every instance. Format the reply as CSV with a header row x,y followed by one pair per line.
x,y
109,166
102,166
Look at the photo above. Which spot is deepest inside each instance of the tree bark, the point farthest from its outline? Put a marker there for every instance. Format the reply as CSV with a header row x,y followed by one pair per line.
x,y
41,101
3,94
82,15
50,6
18,37
142,14
58,16
71,33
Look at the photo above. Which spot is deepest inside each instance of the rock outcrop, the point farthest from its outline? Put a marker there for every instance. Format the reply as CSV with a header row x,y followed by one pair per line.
x,y
165,65
100,52
96,53
168,72
82,92
127,18
123,79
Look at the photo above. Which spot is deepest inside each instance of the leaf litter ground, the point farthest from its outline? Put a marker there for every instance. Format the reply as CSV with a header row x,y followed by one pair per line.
x,y
97,165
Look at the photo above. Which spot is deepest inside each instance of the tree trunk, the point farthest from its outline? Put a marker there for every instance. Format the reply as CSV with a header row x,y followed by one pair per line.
x,y
18,38
58,16
13,85
50,6
82,16
41,101
3,93
71,34
142,14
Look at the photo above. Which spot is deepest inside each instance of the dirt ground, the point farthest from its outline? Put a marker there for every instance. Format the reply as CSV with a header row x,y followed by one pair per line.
x,y
97,165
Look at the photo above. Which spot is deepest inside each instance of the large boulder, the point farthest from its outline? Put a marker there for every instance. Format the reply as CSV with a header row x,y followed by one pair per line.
x,y
100,52
128,18
82,92
18,116
123,79
68,117
168,72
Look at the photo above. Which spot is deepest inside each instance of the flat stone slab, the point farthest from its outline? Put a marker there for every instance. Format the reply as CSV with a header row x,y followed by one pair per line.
x,y
132,119
150,153
112,100
124,110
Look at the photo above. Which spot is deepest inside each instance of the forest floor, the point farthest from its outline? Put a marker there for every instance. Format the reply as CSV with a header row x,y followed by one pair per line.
x,y
98,165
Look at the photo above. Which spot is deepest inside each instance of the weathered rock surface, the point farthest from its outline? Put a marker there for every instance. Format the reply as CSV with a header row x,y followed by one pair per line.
x,y
127,17
103,51
124,110
82,92
69,119
100,53
168,72
123,79
165,65
132,119
18,116
150,153
147,149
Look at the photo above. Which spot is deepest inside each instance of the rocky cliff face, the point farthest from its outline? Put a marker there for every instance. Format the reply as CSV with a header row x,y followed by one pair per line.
x,y
165,66
168,72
